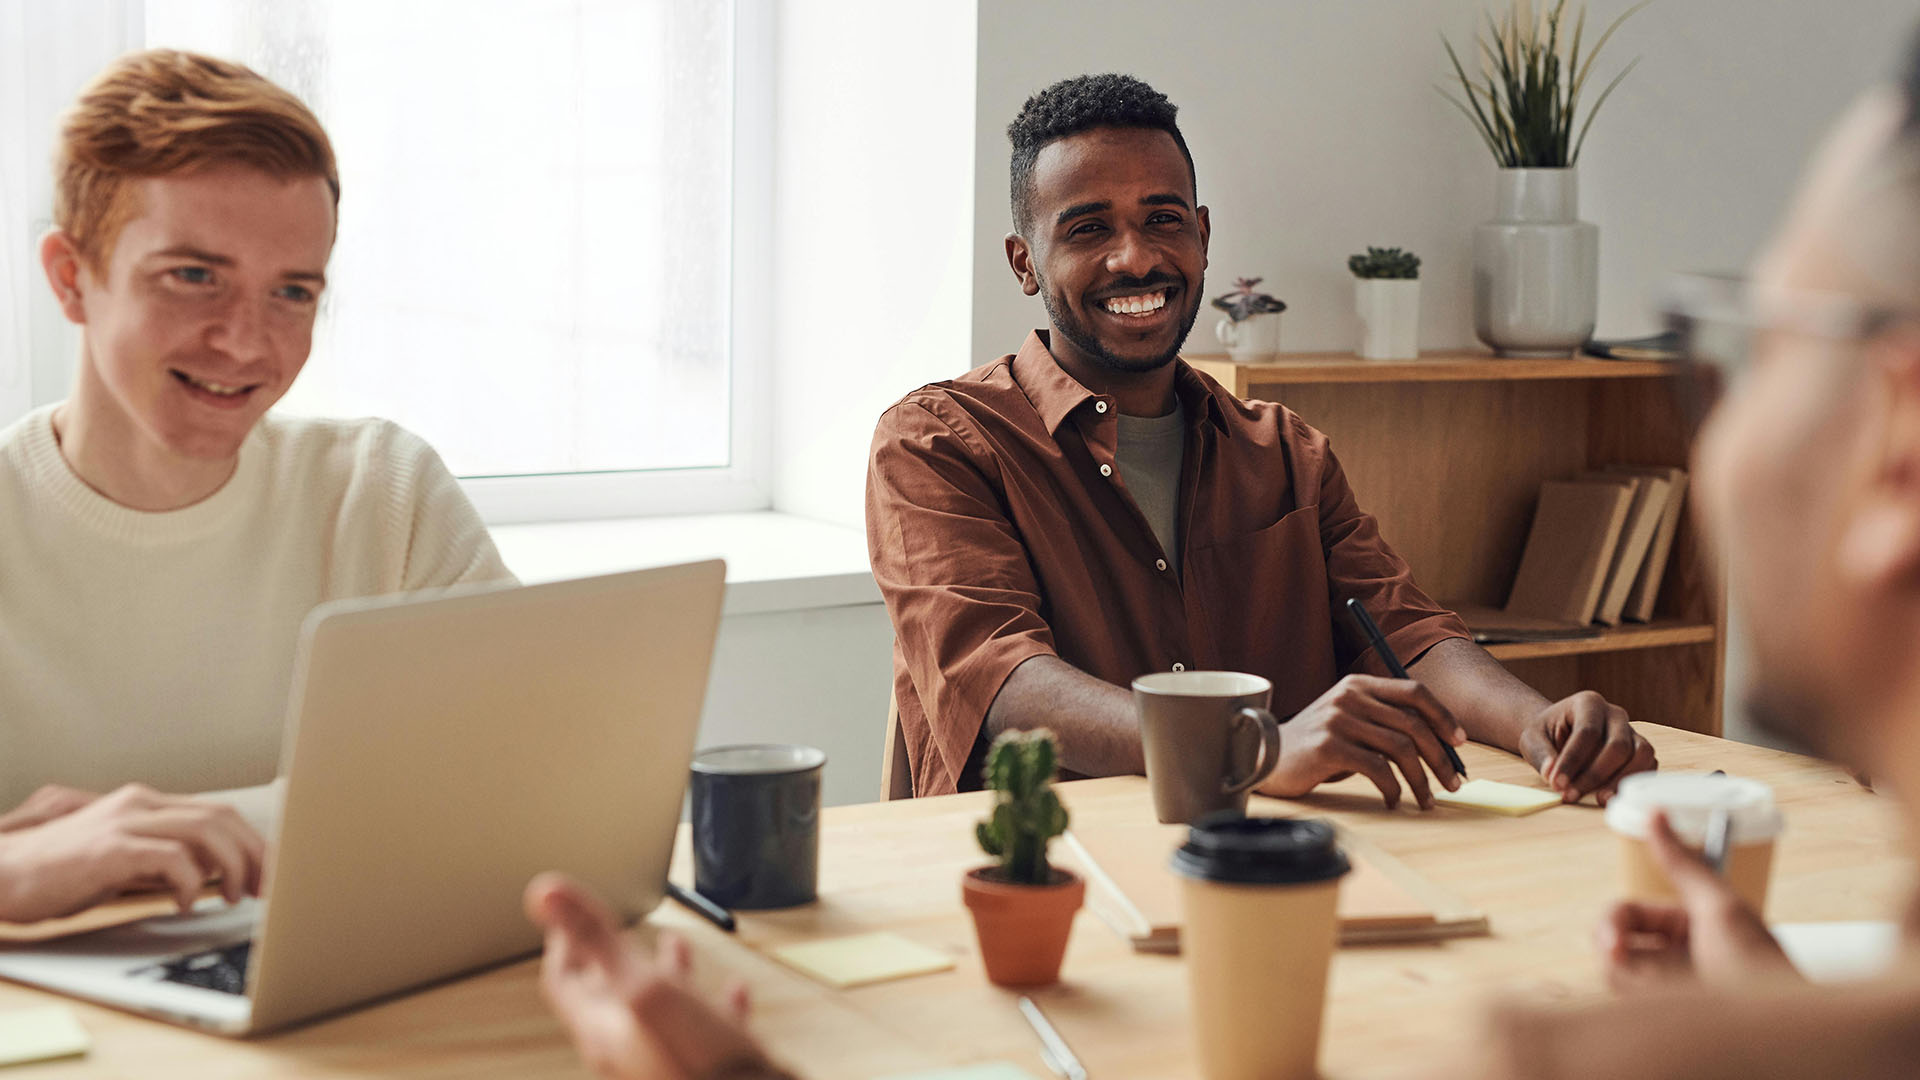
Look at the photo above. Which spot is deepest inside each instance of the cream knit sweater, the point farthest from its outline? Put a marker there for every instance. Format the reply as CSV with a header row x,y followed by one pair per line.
x,y
158,646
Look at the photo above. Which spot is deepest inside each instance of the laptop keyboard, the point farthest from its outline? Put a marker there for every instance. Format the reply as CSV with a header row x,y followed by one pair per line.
x,y
223,969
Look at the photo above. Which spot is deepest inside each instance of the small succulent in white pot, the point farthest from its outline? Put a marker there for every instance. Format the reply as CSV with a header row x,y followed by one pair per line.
x,y
1387,296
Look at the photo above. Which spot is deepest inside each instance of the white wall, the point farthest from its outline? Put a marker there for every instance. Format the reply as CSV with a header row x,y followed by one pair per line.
x,y
820,677
1316,130
805,651
873,208
1698,152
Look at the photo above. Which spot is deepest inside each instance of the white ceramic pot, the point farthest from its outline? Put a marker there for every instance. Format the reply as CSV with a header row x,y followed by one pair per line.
x,y
1536,267
1389,317
1254,341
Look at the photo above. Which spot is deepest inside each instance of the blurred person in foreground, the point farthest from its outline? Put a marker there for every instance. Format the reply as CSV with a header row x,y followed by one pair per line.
x,y
1808,476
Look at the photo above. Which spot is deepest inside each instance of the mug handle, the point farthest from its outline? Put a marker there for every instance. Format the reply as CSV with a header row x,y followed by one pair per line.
x,y
1225,331
1269,756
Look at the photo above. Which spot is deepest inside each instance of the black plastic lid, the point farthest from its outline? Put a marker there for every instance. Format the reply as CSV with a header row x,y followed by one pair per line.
x,y
1260,851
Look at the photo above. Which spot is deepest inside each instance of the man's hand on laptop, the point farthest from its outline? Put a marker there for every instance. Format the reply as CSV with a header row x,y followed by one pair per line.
x,y
51,801
1368,725
133,839
630,1015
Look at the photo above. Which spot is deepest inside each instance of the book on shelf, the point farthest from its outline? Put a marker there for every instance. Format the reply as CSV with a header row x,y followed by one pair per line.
x,y
1494,626
1646,583
1666,346
1595,556
1569,549
1644,515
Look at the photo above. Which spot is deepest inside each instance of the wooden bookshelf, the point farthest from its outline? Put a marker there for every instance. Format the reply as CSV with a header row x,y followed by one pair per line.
x,y
1298,368
1449,452
1653,635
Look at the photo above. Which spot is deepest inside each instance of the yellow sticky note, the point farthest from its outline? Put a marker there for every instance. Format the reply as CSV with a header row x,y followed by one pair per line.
x,y
1496,797
41,1034
863,959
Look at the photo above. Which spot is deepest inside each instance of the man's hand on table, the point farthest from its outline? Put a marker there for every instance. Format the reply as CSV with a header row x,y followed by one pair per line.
x,y
632,1016
1368,725
1583,745
64,851
1710,935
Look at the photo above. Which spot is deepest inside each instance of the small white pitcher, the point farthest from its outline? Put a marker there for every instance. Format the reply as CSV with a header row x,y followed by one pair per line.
x,y
1254,341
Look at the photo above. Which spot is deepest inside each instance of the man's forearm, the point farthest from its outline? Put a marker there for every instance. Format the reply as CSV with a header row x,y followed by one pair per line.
x,y
1488,700
1092,717
1863,1031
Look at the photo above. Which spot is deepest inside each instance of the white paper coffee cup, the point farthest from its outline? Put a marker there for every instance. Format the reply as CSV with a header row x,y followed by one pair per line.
x,y
1754,822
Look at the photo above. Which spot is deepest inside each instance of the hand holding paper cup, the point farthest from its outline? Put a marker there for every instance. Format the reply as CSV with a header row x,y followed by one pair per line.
x,y
1691,801
1208,739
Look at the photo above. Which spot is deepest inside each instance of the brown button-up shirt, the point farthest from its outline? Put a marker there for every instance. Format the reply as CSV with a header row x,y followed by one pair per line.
x,y
1001,529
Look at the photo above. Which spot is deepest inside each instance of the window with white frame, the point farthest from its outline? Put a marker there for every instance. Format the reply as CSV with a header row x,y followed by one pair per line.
x,y
539,235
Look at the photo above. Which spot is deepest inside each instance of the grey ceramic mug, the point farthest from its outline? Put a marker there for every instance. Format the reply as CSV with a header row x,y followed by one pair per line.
x,y
756,825
1208,739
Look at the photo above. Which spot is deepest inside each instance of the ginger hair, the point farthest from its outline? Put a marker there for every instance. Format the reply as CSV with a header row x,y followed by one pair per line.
x,y
164,112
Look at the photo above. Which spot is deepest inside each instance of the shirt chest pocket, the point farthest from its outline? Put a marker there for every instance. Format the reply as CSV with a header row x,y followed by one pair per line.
x,y
1262,603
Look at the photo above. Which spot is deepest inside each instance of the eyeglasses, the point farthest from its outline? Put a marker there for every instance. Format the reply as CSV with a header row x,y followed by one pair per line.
x,y
1718,321
1717,318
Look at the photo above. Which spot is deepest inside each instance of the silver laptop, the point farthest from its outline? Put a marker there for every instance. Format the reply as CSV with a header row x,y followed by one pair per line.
x,y
438,754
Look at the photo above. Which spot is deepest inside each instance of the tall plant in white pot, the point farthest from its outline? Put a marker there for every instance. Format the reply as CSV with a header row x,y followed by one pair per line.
x,y
1386,293
1536,266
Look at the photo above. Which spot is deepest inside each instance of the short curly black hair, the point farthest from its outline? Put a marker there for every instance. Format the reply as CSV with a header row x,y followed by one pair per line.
x,y
1079,104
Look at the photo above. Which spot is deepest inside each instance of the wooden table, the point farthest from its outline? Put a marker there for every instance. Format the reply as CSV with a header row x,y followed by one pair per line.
x,y
1394,1010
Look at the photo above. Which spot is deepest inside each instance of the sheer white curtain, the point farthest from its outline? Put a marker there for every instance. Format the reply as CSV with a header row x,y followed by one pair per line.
x,y
16,393
534,262
48,51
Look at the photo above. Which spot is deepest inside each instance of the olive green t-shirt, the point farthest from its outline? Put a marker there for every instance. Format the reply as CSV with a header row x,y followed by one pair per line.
x,y
1150,453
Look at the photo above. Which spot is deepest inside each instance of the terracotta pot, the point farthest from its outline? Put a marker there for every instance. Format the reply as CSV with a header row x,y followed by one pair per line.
x,y
1022,928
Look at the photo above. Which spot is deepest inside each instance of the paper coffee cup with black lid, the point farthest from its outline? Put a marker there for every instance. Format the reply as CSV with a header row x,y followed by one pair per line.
x,y
1261,920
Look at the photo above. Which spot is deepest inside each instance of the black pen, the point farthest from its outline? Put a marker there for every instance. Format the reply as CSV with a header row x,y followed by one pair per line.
x,y
702,906
1368,627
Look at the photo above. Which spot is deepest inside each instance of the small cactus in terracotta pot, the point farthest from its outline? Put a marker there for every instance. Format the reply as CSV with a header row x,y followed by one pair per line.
x,y
1022,906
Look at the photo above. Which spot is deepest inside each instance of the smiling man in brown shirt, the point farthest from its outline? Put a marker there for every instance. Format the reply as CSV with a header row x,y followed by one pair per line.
x,y
1041,540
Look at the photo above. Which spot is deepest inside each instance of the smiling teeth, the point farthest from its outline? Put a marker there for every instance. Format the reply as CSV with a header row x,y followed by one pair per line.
x,y
215,388
1137,305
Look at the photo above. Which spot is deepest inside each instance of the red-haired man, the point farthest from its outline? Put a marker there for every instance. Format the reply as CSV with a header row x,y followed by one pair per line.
x,y
162,536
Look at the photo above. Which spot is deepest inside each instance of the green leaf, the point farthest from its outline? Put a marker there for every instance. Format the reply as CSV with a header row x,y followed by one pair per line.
x,y
1595,111
1485,129
1527,107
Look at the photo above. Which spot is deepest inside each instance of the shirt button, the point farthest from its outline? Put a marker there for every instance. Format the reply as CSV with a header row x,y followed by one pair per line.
x,y
1105,469
1099,406
1178,666
1159,564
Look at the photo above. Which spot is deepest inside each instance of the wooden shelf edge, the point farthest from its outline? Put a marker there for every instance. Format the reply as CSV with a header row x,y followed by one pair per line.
x,y
1299,368
1654,635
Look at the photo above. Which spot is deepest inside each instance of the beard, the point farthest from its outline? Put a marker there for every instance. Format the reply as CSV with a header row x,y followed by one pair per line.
x,y
1084,339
